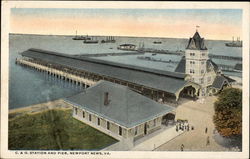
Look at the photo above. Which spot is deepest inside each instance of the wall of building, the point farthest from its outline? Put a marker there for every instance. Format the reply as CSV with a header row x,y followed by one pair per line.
x,y
113,127
152,126
196,66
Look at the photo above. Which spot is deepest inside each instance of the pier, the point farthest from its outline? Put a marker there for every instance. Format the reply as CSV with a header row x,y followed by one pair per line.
x,y
161,86
64,75
181,53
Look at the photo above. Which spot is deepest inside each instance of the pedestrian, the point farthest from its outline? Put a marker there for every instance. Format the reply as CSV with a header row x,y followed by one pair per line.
x,y
182,147
188,127
206,130
176,128
208,141
192,128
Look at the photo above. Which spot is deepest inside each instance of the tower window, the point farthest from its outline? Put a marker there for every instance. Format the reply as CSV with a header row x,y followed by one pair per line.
x,y
201,80
192,54
191,71
192,62
203,54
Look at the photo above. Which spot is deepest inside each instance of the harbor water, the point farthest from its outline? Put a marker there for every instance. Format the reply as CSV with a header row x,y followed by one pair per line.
x,y
27,86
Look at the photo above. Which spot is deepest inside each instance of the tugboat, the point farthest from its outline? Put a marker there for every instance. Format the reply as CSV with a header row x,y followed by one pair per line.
x,y
80,37
236,43
90,41
109,39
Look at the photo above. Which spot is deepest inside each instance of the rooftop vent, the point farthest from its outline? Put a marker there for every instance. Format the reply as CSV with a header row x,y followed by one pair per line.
x,y
106,98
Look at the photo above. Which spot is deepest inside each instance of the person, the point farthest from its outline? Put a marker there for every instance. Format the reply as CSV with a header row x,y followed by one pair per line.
x,y
206,130
188,127
182,147
208,142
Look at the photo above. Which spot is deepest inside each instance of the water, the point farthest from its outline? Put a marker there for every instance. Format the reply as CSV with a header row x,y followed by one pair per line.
x,y
28,86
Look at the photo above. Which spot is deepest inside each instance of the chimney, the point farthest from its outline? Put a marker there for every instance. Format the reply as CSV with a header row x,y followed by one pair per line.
x,y
106,98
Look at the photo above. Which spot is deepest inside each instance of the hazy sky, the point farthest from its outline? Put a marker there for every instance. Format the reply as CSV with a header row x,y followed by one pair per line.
x,y
178,23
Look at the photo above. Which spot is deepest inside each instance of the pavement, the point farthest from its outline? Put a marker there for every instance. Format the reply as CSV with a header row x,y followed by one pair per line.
x,y
200,115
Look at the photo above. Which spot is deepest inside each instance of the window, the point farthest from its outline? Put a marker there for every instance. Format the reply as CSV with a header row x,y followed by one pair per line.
x,y
120,130
89,117
154,122
76,111
192,54
191,71
108,125
202,62
202,71
136,130
209,79
98,121
202,80
192,62
83,114
203,54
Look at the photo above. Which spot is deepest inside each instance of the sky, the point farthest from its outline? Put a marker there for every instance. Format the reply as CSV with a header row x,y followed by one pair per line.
x,y
218,24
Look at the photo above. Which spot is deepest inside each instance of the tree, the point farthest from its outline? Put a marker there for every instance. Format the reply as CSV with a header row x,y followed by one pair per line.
x,y
228,112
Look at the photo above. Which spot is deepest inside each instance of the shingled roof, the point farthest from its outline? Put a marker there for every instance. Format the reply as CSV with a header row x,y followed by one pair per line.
x,y
220,80
196,42
157,79
126,107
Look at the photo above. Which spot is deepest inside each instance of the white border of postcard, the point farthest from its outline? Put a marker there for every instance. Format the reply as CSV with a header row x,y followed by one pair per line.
x,y
6,5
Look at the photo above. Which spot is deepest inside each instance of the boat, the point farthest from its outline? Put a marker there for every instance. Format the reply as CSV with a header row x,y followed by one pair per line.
x,y
109,39
127,47
81,37
90,41
157,42
237,43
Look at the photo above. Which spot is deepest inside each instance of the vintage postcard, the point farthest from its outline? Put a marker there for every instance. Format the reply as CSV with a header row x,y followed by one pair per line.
x,y
124,80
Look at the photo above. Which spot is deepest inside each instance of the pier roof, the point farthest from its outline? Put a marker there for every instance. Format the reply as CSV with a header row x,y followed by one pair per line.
x,y
126,107
161,80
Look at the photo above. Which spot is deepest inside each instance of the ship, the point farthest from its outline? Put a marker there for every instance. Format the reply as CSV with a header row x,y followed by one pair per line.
x,y
81,37
157,42
237,43
90,41
109,39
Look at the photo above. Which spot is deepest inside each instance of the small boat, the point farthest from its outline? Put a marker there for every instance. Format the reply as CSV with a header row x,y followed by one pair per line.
x,y
109,39
157,42
236,43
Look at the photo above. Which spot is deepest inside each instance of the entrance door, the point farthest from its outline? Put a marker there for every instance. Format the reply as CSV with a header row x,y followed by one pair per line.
x,y
145,129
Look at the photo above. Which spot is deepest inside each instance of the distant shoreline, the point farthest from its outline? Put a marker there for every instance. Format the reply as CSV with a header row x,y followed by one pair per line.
x,y
114,36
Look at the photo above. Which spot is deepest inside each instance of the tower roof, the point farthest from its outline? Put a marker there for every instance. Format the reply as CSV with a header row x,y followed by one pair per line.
x,y
196,42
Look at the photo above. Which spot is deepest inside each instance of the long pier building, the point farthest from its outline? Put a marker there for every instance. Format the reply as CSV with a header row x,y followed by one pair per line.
x,y
196,75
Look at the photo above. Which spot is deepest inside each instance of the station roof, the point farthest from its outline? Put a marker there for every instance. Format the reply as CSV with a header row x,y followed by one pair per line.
x,y
126,107
157,79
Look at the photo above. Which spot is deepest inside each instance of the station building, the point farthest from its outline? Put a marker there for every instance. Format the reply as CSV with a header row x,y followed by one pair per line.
x,y
118,111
